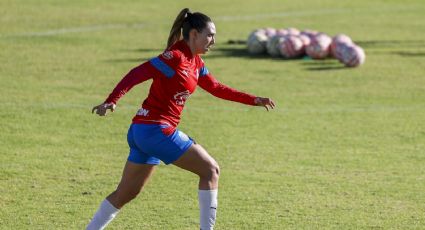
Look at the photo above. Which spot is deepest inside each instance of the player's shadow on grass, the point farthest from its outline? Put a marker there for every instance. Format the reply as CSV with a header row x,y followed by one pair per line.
x,y
391,43
409,54
323,65
327,68
237,48
395,47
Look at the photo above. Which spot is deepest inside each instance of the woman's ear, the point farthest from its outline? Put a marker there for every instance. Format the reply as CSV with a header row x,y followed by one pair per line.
x,y
193,33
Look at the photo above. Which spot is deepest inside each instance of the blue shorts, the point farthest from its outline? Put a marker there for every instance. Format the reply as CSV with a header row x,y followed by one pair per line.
x,y
149,144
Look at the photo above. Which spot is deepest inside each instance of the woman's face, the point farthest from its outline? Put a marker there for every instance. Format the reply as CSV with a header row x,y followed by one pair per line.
x,y
205,39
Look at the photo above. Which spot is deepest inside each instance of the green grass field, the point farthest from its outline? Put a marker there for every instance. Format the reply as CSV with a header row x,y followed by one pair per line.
x,y
344,149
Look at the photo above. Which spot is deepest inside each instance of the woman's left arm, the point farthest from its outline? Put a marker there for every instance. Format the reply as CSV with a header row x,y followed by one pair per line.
x,y
211,85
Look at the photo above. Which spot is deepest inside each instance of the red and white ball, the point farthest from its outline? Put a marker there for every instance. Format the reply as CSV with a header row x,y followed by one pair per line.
x,y
291,47
337,41
293,31
319,46
270,32
309,33
305,39
351,55
281,32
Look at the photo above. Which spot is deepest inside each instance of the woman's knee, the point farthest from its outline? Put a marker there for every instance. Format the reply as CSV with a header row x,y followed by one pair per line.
x,y
212,172
198,161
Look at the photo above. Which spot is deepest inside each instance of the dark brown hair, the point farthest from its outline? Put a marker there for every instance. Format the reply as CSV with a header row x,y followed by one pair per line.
x,y
184,23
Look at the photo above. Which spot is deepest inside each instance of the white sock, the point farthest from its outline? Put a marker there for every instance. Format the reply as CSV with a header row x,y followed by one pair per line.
x,y
105,214
207,208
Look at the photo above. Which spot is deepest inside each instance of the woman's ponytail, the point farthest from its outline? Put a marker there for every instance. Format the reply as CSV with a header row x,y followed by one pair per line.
x,y
176,30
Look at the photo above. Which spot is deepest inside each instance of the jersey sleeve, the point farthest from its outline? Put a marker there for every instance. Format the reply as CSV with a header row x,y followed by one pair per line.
x,y
165,64
136,76
207,82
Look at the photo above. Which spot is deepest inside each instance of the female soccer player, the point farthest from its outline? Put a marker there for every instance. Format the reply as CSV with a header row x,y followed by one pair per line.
x,y
153,136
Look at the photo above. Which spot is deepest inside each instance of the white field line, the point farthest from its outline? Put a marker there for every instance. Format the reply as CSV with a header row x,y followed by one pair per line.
x,y
92,28
82,29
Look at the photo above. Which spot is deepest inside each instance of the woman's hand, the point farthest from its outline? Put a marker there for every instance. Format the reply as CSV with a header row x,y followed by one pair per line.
x,y
102,108
265,102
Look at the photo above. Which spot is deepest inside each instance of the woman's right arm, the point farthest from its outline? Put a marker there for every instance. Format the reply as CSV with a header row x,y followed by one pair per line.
x,y
136,76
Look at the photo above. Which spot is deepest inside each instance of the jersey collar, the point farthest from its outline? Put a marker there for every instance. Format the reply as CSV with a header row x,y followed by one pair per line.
x,y
182,46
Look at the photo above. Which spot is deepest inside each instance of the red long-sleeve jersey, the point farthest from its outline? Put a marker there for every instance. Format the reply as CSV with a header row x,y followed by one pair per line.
x,y
175,74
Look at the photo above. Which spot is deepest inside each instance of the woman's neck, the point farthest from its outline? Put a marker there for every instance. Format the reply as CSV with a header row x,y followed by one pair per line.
x,y
191,47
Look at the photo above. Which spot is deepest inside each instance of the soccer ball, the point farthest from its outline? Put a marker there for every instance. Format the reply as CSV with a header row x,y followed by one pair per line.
x,y
337,41
305,39
309,33
270,32
273,45
351,55
319,46
293,31
281,32
257,41
291,47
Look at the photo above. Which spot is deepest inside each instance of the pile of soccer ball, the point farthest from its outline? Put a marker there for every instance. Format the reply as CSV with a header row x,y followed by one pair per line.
x,y
293,43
